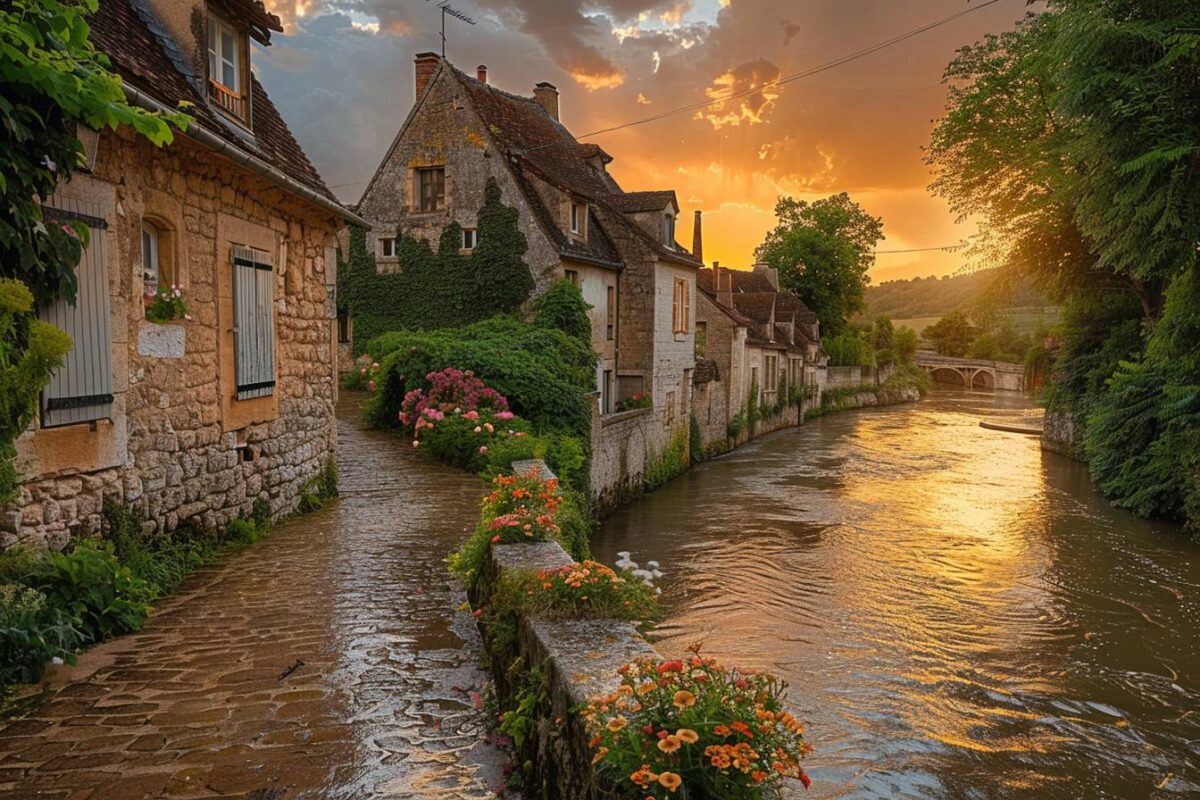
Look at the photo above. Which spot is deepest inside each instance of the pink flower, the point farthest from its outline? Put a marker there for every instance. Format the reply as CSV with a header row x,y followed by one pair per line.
x,y
416,443
478,429
488,427
362,371
370,385
504,415
374,365
483,450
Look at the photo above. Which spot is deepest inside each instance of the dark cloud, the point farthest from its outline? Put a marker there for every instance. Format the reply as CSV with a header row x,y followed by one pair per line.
x,y
857,128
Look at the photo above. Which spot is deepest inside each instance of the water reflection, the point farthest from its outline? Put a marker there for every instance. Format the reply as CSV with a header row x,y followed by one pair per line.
x,y
958,613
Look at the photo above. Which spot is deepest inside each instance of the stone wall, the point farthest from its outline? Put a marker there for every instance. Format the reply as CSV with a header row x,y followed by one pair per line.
x,y
621,445
177,446
1062,434
845,377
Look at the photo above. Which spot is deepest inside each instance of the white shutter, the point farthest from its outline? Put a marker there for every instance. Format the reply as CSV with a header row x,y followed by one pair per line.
x,y
254,322
82,390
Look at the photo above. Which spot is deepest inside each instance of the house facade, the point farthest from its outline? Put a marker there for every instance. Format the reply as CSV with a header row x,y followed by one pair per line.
x,y
191,418
618,247
758,354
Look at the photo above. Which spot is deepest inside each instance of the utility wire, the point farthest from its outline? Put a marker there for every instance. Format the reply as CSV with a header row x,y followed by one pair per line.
x,y
828,65
949,248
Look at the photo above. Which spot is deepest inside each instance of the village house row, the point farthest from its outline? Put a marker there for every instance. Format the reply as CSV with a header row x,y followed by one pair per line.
x,y
195,418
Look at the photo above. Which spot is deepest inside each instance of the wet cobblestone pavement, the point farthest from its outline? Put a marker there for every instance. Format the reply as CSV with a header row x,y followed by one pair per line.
x,y
328,661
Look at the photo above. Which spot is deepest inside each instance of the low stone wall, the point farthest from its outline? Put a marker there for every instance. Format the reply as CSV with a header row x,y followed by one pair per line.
x,y
845,377
621,445
868,398
578,658
1062,434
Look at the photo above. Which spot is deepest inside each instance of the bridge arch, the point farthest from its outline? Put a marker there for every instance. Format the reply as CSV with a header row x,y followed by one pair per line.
x,y
949,375
984,380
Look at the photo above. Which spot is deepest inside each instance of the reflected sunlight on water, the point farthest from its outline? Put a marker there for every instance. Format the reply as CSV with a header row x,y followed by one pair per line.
x,y
958,613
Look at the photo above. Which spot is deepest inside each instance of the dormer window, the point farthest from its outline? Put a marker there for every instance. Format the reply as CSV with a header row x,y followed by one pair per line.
x,y
669,230
226,68
578,215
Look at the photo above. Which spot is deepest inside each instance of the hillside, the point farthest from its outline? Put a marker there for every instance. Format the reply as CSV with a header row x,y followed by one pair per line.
x,y
932,297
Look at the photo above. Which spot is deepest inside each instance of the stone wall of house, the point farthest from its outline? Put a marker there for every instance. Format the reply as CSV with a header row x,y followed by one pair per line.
x,y
177,445
710,401
446,131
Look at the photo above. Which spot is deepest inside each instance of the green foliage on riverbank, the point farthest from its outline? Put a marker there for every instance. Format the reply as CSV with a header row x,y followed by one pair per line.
x,y
1109,87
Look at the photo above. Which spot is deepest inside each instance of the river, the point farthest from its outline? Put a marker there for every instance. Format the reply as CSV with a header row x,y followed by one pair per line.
x,y
958,614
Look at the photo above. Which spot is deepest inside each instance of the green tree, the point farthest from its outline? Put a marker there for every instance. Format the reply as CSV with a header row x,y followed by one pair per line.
x,y
823,250
951,335
54,79
884,341
904,345
850,348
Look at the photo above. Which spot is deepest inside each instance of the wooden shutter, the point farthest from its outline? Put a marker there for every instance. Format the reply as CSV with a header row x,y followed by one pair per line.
x,y
254,322
82,390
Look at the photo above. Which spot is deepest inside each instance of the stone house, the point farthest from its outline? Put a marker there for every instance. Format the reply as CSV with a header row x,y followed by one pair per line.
x,y
196,418
618,247
751,336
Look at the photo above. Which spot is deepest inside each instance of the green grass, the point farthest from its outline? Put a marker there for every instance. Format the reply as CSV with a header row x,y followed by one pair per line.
x,y
1026,319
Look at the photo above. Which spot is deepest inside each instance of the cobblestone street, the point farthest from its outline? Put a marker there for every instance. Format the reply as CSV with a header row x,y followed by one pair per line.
x,y
328,661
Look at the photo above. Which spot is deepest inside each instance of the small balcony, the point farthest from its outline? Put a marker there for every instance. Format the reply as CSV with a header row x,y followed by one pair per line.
x,y
228,100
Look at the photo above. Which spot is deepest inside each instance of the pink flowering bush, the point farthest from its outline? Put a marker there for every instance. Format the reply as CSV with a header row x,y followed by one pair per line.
x,y
452,391
464,438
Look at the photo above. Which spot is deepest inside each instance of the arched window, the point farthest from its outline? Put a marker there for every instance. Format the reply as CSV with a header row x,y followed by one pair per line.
x,y
158,262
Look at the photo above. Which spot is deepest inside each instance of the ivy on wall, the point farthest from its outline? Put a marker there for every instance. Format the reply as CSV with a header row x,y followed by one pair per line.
x,y
443,289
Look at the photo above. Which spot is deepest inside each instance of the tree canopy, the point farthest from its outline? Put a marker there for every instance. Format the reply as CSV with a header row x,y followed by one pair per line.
x,y
822,251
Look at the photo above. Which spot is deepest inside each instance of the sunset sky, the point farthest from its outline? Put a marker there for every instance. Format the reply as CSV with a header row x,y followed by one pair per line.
x,y
342,77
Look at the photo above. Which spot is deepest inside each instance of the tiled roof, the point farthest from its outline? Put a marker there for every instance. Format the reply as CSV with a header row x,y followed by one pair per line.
x,y
756,305
141,59
788,303
261,22
634,202
536,143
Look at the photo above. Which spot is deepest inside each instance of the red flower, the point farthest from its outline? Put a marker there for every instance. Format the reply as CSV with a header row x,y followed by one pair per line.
x,y
670,666
807,781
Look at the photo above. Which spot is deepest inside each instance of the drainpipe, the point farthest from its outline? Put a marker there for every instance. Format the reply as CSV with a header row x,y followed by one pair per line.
x,y
241,157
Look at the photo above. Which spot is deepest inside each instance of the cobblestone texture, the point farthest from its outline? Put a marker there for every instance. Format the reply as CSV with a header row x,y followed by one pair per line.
x,y
328,661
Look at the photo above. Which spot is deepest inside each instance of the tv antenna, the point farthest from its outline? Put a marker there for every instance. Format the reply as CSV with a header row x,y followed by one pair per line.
x,y
446,8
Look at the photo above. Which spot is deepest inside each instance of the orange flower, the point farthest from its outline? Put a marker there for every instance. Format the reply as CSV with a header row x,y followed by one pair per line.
x,y
600,754
669,744
684,699
617,723
670,781
687,735
722,730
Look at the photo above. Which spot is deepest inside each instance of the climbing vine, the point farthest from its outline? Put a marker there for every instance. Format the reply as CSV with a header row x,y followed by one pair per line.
x,y
443,289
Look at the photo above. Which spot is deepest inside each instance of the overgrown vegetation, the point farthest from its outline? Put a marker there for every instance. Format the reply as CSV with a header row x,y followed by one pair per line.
x,y
442,289
671,461
1108,87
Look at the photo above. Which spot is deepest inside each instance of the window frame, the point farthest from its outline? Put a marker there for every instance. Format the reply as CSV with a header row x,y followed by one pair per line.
x,y
577,221
572,277
384,242
473,233
669,229
437,199
151,245
610,313
680,312
217,55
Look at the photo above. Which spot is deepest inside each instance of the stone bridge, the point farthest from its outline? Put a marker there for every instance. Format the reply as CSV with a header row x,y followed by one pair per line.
x,y
975,375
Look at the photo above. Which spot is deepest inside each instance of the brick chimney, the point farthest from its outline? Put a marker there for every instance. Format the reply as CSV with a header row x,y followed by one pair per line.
x,y
481,73
724,283
697,240
424,65
546,94
771,273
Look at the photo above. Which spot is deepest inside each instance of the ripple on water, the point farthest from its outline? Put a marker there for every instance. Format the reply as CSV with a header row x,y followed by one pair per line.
x,y
958,614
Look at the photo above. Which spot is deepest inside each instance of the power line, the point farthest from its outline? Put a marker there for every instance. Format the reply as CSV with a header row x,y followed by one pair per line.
x,y
949,248
828,65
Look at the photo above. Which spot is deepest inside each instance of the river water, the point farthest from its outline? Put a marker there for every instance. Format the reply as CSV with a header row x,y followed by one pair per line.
x,y
958,614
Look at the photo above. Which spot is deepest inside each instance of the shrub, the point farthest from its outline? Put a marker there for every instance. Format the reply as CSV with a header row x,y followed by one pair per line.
x,y
638,400
31,633
667,464
694,729
851,348
465,440
544,374
449,390
737,424
695,438
91,585
320,488
562,307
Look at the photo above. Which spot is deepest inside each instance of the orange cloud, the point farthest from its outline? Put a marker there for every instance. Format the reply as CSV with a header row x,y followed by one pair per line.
x,y
743,94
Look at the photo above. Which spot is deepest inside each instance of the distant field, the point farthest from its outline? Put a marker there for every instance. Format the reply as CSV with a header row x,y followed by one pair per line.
x,y
1025,320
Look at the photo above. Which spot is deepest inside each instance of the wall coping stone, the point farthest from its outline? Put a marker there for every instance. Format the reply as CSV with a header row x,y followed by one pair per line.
x,y
526,556
584,654
624,416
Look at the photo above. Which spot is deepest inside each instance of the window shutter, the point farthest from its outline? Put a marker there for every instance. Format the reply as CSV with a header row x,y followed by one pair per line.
x,y
82,390
254,322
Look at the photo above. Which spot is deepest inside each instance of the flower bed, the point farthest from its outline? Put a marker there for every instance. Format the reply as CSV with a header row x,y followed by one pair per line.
x,y
694,728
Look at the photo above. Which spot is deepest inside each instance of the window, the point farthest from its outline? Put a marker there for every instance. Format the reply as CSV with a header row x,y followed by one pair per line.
x,y
343,321
610,327
680,306
606,392
770,374
225,71
431,188
669,408
150,280
669,230
254,322
701,339
387,247
469,238
578,213
572,276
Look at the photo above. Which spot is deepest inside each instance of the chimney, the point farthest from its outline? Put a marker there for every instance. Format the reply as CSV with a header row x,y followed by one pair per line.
x,y
697,240
771,273
546,94
724,284
481,73
424,65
